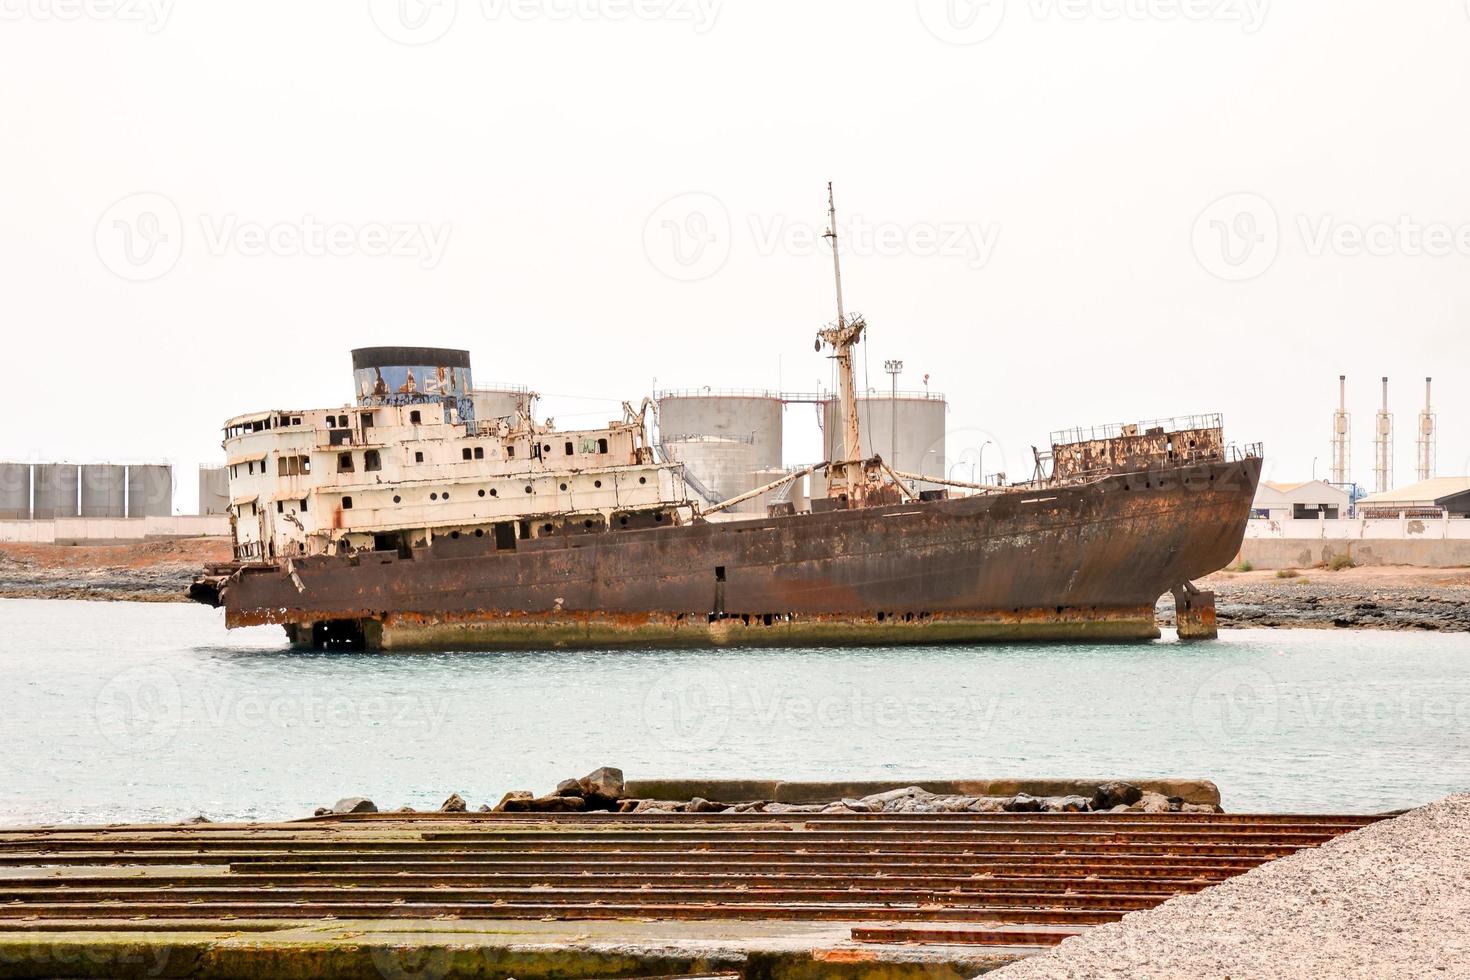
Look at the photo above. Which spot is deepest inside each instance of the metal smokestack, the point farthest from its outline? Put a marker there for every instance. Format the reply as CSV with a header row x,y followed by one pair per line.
x,y
1383,447
1341,435
1425,469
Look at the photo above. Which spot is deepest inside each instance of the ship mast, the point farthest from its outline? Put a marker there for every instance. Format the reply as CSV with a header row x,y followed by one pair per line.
x,y
843,334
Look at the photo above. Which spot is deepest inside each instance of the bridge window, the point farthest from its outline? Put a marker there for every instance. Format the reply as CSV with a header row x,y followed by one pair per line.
x,y
602,446
418,457
371,460
569,448
344,462
479,452
466,453
414,418
346,503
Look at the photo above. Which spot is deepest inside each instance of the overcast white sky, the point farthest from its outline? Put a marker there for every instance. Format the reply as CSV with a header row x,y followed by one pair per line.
x,y
1063,211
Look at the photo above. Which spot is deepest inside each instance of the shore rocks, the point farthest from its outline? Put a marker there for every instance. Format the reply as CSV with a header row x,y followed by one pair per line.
x,y
354,804
455,804
1113,794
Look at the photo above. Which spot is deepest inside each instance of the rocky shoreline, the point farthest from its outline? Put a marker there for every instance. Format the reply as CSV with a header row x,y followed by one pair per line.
x,y
604,790
145,571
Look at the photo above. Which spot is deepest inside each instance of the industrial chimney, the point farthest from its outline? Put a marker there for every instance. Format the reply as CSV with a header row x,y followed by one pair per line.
x,y
1426,435
1383,447
1341,435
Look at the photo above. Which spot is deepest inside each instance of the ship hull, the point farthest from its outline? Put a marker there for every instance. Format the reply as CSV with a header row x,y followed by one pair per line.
x,y
1081,562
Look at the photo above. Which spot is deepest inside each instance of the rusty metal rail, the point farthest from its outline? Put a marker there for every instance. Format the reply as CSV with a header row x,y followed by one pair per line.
x,y
978,879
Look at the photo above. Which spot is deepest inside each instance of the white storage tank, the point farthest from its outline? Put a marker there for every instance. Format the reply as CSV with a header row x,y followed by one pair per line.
x,y
918,418
214,490
752,416
15,491
150,491
725,466
55,490
104,490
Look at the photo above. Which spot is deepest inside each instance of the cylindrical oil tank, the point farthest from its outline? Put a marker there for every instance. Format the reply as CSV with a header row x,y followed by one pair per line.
x,y
214,489
150,491
794,493
920,419
55,490
502,402
15,491
104,490
725,466
755,416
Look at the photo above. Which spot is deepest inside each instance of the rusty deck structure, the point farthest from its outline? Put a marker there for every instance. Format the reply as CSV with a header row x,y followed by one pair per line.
x,y
571,894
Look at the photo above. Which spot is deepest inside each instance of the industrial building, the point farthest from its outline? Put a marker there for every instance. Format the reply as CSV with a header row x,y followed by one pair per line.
x,y
1309,500
1440,497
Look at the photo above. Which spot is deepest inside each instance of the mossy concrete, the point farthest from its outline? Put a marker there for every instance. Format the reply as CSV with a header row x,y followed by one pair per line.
x,y
444,950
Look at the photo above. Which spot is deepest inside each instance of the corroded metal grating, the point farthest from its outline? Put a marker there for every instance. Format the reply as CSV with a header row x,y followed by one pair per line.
x,y
979,879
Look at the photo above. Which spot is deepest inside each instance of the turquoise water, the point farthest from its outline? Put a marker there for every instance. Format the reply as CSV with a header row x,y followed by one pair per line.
x,y
119,711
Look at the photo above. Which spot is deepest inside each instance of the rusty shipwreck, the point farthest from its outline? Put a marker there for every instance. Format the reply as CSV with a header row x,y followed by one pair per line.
x,y
404,521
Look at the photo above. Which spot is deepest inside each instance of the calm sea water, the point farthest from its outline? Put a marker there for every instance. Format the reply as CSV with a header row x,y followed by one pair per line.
x,y
117,711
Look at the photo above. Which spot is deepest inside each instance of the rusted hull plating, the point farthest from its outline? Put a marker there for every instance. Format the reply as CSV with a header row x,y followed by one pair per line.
x,y
1078,562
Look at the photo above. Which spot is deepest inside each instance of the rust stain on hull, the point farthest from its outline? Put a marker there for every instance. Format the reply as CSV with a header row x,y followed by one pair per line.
x,y
1073,562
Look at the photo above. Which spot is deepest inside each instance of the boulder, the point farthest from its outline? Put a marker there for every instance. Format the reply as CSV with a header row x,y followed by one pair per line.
x,y
987,804
485,808
556,804
355,804
1068,804
1109,795
321,811
405,809
1023,803
1156,803
516,801
880,800
455,804
570,787
858,806
1200,808
201,818
603,787
698,805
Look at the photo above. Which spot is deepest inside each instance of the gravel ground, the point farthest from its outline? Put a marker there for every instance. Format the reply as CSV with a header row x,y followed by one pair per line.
x,y
1358,598
1391,900
148,571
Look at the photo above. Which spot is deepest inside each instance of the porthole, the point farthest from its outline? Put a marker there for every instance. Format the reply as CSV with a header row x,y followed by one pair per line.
x,y
454,535
546,528
494,492
482,493
564,487
479,532
623,521
597,484
397,499
528,488
643,479
433,496
446,495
